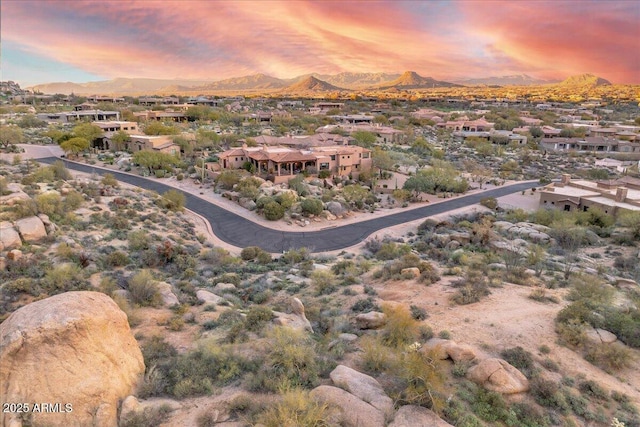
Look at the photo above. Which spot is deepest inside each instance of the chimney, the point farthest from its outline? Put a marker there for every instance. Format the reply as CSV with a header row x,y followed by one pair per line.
x,y
566,179
621,194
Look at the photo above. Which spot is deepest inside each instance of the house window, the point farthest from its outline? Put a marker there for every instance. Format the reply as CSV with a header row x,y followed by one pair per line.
x,y
365,156
333,157
567,208
324,166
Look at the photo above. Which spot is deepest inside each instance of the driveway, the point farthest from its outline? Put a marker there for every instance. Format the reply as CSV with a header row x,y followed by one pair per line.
x,y
241,232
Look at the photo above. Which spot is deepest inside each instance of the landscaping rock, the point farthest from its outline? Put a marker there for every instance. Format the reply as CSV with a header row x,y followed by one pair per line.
x,y
417,416
371,320
354,412
363,386
31,229
335,208
497,375
74,347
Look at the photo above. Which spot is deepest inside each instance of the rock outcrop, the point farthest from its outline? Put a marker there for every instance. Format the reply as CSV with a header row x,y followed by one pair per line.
x,y
353,411
498,375
73,348
446,349
417,416
208,297
168,297
367,388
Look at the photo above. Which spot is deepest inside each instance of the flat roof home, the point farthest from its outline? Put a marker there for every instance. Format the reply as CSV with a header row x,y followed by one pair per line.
x,y
611,197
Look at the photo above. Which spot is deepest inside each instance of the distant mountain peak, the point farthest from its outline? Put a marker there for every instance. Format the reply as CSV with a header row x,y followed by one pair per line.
x,y
586,79
311,83
412,80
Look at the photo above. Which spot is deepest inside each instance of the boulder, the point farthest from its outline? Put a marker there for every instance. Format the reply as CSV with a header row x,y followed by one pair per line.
x,y
296,319
168,297
208,297
9,237
417,416
446,349
335,208
413,271
354,412
74,348
14,254
367,388
13,198
31,229
247,203
600,336
497,375
371,320
623,283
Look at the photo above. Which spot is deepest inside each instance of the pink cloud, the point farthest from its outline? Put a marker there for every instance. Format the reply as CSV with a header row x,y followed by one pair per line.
x,y
218,39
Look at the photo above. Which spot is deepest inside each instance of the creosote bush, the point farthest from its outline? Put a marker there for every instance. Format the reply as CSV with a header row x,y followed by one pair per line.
x,y
296,408
144,289
400,328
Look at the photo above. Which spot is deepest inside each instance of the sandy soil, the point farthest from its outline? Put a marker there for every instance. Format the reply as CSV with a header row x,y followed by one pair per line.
x,y
507,318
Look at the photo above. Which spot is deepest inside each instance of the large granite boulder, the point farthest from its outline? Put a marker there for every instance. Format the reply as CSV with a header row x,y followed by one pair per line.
x,y
296,319
446,349
74,348
168,297
371,320
9,237
498,375
354,412
363,386
31,229
417,416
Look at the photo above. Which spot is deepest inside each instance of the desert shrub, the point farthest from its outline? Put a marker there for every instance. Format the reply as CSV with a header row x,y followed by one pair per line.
x,y
72,201
296,408
148,417
295,256
286,199
609,357
400,328
248,187
311,206
273,211
290,361
540,295
64,278
529,415
219,257
195,373
376,357
422,378
471,288
50,204
593,390
489,202
323,281
364,305
172,200
144,289
60,171
109,180
572,333
625,324
249,253
590,288
117,259
257,318
490,406
521,359
418,313
391,250
548,393
227,179
139,240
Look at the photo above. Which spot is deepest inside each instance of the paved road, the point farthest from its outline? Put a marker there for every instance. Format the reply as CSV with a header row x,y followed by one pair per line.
x,y
241,232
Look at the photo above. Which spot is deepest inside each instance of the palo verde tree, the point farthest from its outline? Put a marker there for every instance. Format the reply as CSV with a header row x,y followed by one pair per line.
x,y
87,131
74,146
10,135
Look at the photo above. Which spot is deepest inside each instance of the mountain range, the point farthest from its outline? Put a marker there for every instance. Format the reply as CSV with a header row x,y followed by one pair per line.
x,y
307,83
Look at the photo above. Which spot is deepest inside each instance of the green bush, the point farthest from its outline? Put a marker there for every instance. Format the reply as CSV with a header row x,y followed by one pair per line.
x,y
323,281
401,328
117,259
520,359
312,206
610,357
144,289
273,211
173,200
64,278
257,317
489,202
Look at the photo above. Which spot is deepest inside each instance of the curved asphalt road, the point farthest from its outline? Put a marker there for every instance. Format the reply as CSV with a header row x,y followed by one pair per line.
x,y
241,232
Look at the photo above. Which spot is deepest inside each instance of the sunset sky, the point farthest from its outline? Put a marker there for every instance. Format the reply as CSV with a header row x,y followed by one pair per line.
x,y
80,41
